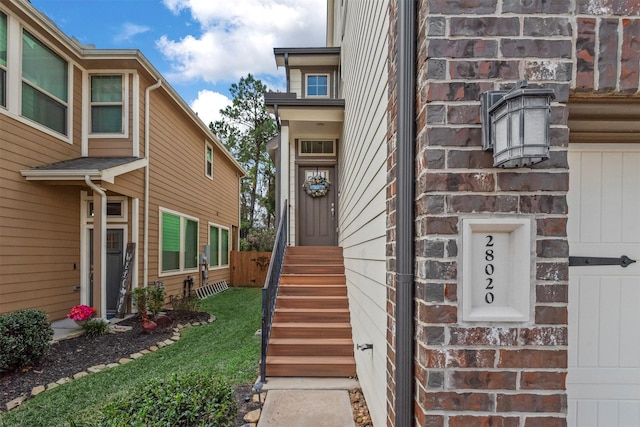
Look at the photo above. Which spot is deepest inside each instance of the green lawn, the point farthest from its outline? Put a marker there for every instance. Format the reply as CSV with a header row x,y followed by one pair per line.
x,y
226,347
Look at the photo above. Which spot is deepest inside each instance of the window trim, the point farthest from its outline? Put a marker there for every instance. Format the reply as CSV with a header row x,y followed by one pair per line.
x,y
110,218
332,154
208,146
306,85
124,104
220,228
183,217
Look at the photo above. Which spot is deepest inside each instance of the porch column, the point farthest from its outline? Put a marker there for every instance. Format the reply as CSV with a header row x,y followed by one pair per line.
x,y
285,172
99,252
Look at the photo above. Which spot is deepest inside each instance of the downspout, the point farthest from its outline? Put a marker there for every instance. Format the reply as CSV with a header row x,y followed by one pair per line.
x,y
405,256
145,265
103,239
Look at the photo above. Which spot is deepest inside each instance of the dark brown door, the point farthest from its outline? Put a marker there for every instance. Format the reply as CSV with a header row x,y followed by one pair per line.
x,y
317,208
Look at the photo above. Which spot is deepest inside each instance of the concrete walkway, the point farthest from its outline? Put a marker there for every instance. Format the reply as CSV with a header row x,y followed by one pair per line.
x,y
309,402
65,328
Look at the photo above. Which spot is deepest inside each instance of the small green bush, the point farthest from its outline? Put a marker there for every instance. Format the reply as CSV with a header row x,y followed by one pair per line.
x,y
149,299
190,303
194,399
95,327
155,299
25,337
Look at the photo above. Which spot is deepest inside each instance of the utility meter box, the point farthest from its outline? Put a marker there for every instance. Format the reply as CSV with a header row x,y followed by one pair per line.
x,y
497,260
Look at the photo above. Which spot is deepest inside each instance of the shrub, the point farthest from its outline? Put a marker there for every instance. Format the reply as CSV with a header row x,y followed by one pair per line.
x,y
155,299
194,399
190,303
149,299
25,337
95,327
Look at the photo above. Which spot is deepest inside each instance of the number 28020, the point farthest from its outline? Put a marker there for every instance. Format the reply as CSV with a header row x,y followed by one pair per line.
x,y
489,269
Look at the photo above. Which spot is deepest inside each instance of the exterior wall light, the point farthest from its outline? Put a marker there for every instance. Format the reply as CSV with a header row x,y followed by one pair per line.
x,y
515,125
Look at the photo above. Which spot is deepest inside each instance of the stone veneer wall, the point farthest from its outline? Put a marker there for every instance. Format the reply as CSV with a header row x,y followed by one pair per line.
x,y
504,374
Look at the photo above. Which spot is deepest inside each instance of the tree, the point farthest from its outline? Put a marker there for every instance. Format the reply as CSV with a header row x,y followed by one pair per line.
x,y
245,129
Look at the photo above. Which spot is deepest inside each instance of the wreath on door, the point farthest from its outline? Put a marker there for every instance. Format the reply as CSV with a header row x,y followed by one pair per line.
x,y
316,186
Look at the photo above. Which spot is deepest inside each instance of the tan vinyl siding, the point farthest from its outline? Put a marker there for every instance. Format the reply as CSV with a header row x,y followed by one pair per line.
x,y
179,183
39,225
362,192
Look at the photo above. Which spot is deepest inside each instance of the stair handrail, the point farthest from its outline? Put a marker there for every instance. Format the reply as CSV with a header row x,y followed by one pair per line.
x,y
270,288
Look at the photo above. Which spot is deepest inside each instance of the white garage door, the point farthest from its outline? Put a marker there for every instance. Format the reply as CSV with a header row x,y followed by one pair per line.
x,y
603,383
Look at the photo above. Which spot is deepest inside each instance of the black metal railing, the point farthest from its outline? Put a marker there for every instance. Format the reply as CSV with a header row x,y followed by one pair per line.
x,y
270,289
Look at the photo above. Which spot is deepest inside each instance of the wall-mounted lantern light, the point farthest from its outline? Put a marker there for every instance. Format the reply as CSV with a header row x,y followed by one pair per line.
x,y
515,124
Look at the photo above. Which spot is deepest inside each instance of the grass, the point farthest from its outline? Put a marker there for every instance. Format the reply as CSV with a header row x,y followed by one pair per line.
x,y
227,348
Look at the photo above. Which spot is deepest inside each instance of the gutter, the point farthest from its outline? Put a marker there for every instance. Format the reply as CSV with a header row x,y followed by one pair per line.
x,y
147,150
103,239
405,252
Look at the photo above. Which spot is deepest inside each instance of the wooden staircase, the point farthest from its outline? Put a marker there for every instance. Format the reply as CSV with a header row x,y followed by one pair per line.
x,y
311,331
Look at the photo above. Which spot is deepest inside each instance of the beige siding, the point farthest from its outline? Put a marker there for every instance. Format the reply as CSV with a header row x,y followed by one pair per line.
x,y
362,195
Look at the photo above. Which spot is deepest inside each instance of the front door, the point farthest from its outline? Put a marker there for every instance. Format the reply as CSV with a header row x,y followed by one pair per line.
x,y
603,383
317,208
115,248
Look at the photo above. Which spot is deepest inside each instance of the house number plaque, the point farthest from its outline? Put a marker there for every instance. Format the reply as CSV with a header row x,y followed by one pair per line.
x,y
496,269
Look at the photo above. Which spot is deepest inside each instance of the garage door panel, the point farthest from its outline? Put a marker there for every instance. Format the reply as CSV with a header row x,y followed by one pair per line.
x,y
603,380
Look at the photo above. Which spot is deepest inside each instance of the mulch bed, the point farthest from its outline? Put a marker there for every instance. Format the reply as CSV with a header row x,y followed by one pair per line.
x,y
70,356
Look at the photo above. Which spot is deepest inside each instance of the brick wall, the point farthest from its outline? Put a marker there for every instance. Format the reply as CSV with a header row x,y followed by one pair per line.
x,y
503,374
496,374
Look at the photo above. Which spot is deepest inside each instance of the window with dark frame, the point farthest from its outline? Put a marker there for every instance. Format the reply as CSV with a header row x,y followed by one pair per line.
x,y
106,104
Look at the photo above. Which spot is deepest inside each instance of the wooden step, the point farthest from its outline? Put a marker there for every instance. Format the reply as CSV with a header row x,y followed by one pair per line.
x,y
312,258
313,279
311,347
311,330
301,315
316,301
316,366
287,289
313,269
317,250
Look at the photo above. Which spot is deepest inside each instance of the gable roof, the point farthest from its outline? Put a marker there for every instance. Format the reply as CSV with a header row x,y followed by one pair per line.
x,y
97,168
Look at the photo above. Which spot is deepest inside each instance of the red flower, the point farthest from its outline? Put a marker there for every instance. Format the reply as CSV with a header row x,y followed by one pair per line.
x,y
81,312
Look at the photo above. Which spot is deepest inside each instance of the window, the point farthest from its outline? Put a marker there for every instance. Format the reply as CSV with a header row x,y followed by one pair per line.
x,y
218,246
3,59
106,104
317,85
179,242
44,85
317,148
208,160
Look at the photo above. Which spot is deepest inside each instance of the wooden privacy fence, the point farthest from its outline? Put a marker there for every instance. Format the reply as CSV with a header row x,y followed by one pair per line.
x,y
249,268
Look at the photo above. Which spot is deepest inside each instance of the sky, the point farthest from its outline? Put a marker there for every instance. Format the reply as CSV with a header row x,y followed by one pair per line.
x,y
200,47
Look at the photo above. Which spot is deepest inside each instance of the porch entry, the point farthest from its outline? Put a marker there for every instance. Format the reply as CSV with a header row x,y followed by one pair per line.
x,y
603,383
317,208
115,254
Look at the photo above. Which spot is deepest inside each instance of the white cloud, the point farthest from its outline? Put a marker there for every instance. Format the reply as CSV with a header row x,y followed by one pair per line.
x,y
237,37
129,31
208,105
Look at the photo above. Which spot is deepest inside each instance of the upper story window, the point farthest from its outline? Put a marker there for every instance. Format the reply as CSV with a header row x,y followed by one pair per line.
x,y
3,59
106,104
208,160
317,85
44,85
